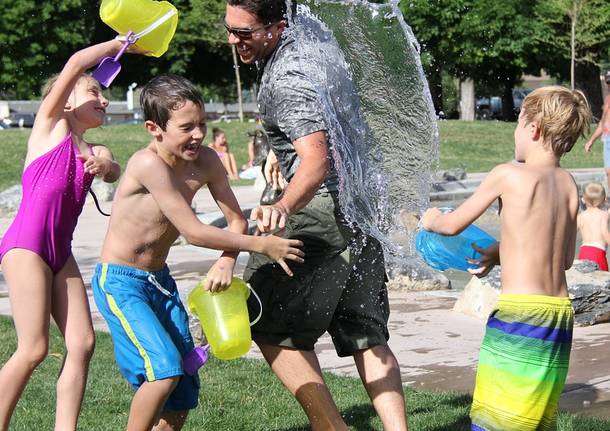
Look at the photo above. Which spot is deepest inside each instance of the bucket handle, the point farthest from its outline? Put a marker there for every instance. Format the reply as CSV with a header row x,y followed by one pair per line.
x,y
260,313
155,24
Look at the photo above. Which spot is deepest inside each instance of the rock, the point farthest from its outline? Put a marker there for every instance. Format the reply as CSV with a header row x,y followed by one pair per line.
x,y
10,200
104,191
589,290
457,174
590,293
585,266
418,278
479,296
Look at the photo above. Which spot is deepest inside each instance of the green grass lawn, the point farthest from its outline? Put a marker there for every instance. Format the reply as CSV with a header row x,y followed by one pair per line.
x,y
474,146
235,395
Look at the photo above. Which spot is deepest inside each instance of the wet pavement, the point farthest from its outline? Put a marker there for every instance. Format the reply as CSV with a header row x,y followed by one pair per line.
x,y
436,348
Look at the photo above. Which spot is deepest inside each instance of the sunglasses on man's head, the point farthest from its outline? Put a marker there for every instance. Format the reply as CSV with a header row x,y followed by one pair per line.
x,y
245,33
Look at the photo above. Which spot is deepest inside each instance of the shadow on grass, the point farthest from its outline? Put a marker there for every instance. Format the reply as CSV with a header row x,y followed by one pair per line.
x,y
446,412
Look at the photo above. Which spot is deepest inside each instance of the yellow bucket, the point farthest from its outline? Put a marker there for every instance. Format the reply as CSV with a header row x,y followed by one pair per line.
x,y
224,318
154,22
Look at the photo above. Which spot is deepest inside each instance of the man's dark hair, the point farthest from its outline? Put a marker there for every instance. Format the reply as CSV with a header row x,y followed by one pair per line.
x,y
267,11
166,93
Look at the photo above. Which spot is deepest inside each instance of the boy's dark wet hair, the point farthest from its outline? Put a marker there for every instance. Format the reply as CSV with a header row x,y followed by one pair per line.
x,y
166,93
267,11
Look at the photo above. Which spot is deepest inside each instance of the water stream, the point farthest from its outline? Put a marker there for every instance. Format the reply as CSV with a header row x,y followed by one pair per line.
x,y
378,111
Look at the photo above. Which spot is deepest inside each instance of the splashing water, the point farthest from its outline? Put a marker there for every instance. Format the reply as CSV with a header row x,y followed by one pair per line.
x,y
364,60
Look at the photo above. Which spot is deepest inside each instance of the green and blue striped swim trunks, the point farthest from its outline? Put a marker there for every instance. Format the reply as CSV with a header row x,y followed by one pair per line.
x,y
523,364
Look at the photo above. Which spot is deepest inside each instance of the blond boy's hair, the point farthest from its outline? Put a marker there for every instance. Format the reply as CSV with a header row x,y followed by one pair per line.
x,y
562,114
594,194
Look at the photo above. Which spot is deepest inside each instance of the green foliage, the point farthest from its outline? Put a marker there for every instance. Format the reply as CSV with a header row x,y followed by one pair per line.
x,y
37,37
242,394
592,32
476,146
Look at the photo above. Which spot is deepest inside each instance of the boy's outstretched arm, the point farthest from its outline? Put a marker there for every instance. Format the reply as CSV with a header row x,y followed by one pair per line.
x,y
456,221
221,273
157,178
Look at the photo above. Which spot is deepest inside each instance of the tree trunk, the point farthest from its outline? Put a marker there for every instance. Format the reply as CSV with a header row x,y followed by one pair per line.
x,y
467,102
587,80
508,103
238,79
573,19
435,83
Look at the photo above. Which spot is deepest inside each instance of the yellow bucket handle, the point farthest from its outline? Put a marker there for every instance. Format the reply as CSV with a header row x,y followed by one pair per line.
x,y
155,24
260,313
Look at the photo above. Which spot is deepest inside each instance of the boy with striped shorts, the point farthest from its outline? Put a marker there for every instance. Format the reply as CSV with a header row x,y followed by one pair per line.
x,y
525,354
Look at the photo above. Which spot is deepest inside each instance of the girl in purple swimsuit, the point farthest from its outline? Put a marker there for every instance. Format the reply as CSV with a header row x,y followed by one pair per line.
x,y
41,274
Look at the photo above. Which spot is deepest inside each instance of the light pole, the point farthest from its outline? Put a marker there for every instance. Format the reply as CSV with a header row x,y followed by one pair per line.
x,y
130,95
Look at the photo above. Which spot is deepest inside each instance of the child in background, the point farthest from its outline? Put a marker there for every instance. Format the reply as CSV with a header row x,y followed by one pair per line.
x,y
133,288
593,226
221,146
42,276
526,350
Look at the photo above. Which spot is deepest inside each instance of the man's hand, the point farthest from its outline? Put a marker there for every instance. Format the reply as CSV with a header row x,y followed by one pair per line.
x,y
220,275
270,218
490,257
99,166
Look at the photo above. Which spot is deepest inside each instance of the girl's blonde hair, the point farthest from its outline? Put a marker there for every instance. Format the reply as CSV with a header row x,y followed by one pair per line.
x,y
563,115
594,194
50,82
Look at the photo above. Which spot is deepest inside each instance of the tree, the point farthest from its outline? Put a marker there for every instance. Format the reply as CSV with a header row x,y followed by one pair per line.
x,y
37,37
578,31
486,40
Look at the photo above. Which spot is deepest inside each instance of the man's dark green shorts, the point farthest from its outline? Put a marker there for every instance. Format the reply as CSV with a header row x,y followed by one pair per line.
x,y
341,287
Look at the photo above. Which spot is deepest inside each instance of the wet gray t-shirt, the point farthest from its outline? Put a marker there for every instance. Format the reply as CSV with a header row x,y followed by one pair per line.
x,y
290,107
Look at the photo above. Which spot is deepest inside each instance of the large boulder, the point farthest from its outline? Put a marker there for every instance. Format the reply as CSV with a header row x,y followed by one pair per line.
x,y
590,293
588,287
479,296
418,278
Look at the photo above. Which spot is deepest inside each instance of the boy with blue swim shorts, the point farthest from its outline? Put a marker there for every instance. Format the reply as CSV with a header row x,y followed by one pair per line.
x,y
603,131
133,288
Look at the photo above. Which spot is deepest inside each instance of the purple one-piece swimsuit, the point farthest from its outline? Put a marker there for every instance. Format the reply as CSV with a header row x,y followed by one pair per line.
x,y
55,187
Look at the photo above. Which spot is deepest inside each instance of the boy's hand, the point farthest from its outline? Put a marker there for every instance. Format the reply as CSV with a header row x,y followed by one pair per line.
x,y
490,257
94,165
280,249
220,275
269,217
431,214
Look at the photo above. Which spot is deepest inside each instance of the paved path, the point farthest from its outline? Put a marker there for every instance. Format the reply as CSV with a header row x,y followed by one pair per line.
x,y
437,348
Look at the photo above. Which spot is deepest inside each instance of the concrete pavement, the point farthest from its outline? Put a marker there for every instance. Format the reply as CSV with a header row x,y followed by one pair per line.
x,y
436,348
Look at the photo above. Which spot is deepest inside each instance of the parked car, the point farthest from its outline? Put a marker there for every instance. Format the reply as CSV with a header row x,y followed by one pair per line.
x,y
489,108
226,118
21,119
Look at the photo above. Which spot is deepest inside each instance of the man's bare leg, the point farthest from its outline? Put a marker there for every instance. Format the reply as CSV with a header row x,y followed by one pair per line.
x,y
380,374
148,402
300,372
